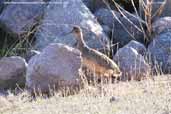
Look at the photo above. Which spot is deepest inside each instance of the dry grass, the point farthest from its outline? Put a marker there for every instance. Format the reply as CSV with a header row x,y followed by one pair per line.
x,y
145,97
145,15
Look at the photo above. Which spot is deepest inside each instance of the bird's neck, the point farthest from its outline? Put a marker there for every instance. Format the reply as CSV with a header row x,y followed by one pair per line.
x,y
81,43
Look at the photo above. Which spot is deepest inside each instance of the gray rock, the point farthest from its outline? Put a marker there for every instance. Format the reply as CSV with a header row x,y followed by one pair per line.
x,y
94,5
57,66
59,20
107,30
132,64
20,18
127,30
1,5
12,72
30,54
107,17
160,50
125,27
156,5
161,25
140,48
54,34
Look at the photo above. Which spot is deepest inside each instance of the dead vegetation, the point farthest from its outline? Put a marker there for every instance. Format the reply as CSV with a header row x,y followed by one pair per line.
x,y
144,97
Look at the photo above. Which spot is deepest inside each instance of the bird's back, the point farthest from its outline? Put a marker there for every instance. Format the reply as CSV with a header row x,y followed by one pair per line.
x,y
99,59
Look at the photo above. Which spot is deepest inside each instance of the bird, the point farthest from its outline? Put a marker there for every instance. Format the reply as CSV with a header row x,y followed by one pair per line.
x,y
94,60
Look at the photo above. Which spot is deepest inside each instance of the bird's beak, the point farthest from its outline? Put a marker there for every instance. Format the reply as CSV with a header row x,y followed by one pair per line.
x,y
68,33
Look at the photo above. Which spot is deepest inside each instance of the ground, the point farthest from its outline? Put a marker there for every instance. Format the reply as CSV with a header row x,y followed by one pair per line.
x,y
144,97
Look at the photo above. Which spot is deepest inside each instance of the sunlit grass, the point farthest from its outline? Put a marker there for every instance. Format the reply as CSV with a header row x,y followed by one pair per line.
x,y
148,96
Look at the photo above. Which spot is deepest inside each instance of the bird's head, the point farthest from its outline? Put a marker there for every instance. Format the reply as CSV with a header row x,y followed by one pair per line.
x,y
76,30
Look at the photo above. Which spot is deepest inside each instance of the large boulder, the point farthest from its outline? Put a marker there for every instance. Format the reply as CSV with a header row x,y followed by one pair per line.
x,y
56,67
132,64
126,29
161,25
12,72
160,50
18,18
156,4
107,17
59,20
94,5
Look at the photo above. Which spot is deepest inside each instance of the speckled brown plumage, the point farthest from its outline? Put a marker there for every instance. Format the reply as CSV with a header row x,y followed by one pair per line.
x,y
95,60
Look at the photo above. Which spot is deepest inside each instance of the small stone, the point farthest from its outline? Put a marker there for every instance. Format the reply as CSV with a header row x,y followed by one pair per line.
x,y
140,48
132,65
112,99
12,72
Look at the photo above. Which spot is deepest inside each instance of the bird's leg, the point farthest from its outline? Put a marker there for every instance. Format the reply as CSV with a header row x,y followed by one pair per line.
x,y
115,78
